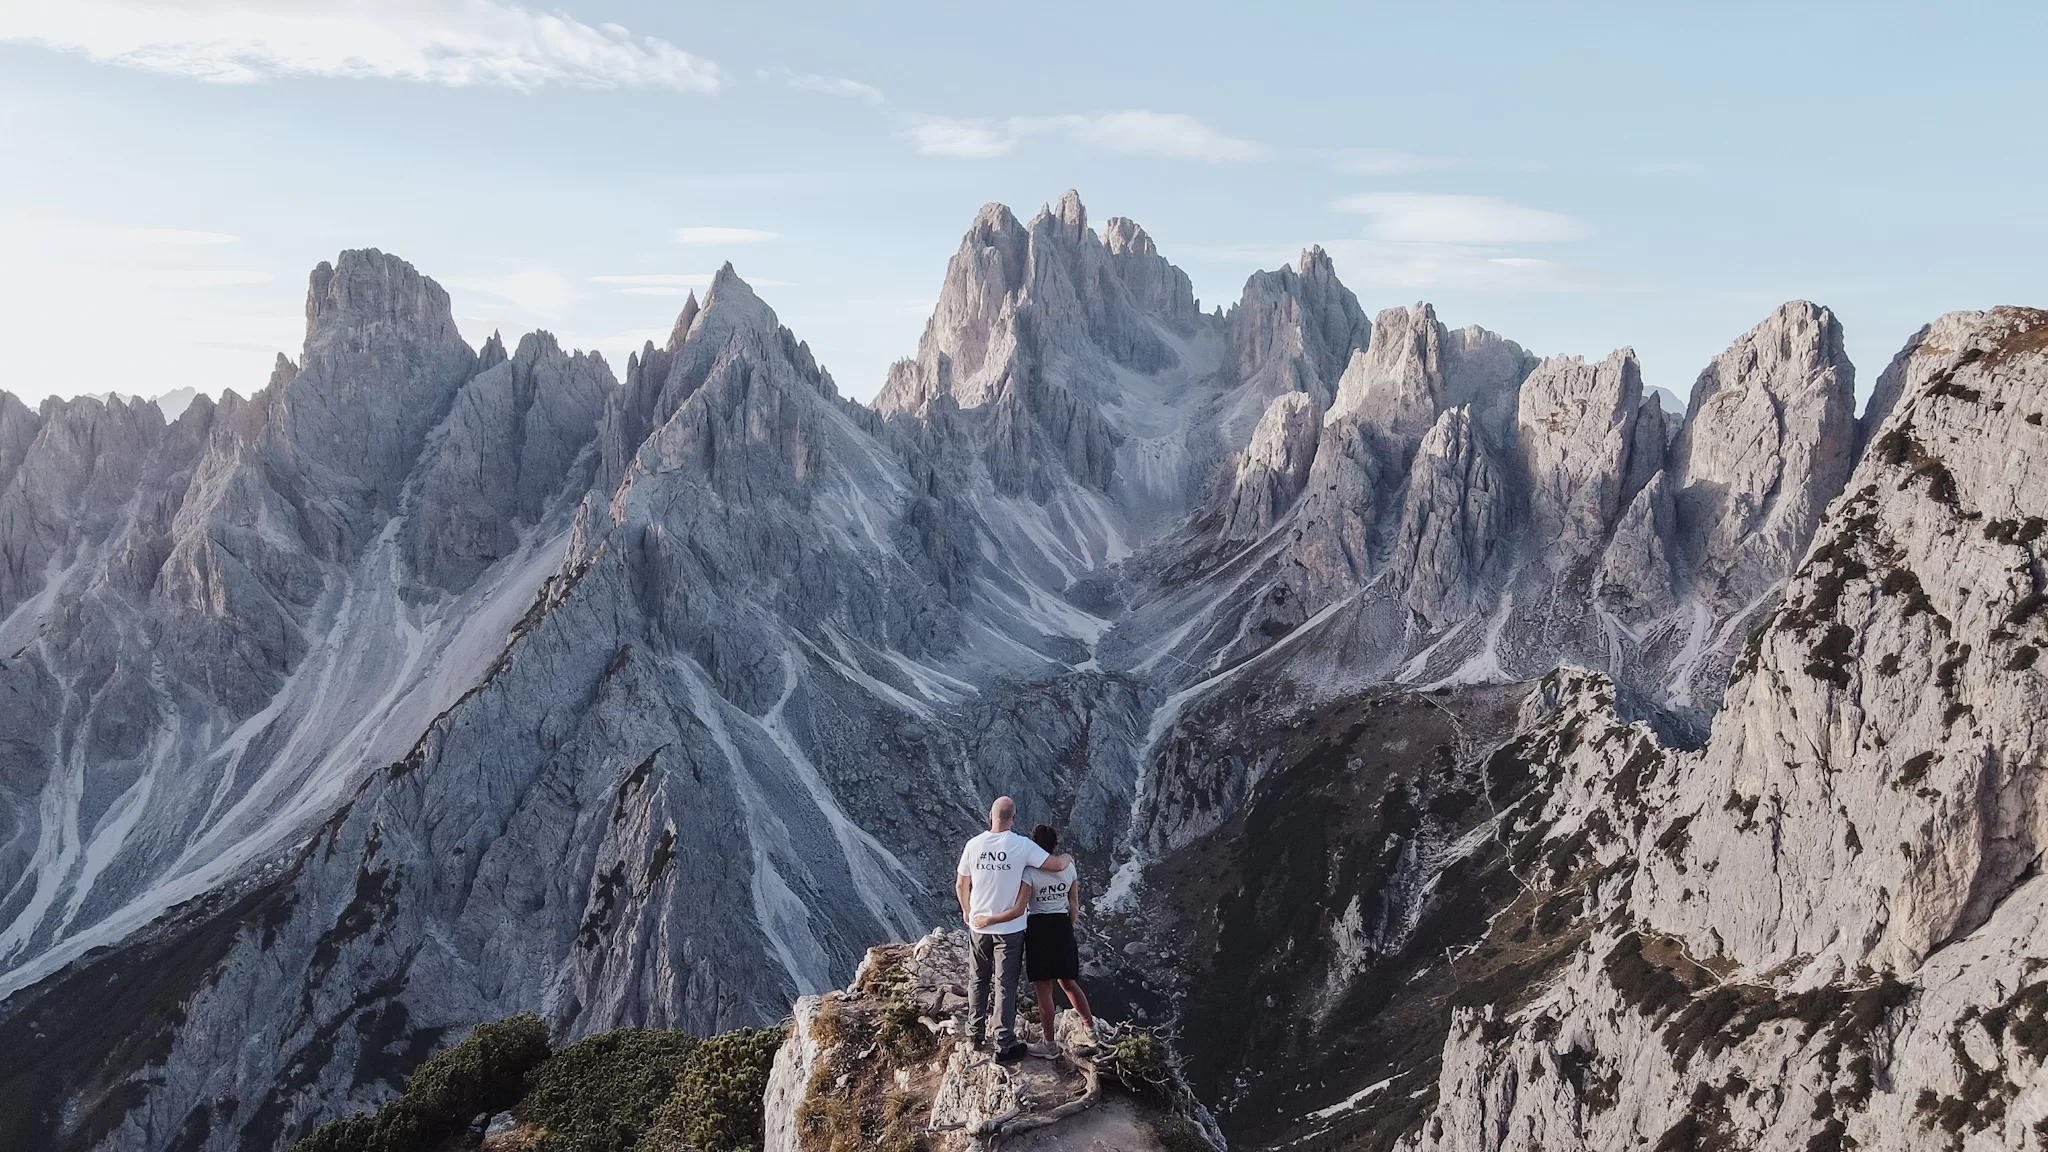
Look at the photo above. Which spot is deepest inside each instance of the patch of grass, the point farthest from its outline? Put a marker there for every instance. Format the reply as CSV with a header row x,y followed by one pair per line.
x,y
850,1105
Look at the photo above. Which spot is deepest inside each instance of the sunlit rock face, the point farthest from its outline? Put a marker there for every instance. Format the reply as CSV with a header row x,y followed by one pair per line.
x,y
427,685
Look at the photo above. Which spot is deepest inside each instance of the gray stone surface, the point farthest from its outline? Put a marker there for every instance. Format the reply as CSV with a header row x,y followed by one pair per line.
x,y
1854,852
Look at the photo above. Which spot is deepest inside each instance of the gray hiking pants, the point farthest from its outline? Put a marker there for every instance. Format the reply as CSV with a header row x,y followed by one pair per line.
x,y
1000,957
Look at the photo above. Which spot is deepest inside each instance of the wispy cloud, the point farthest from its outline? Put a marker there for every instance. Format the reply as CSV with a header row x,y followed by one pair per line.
x,y
1170,134
961,139
1390,162
1462,267
1448,218
836,86
176,237
205,278
671,283
703,235
540,291
657,280
454,42
1440,241
1410,266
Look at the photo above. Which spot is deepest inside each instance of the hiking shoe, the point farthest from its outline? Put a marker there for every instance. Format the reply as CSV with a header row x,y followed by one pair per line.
x,y
1044,1051
1011,1054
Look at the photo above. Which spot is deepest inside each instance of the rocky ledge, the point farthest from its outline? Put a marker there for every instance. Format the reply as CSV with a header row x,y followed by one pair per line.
x,y
882,1064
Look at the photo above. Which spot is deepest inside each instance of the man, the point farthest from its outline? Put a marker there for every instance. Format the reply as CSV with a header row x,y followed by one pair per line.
x,y
987,884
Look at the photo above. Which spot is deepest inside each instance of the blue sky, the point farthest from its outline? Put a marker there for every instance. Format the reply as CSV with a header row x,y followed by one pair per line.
x,y
1578,178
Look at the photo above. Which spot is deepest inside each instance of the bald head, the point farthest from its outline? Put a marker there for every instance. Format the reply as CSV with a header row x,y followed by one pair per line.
x,y
1002,814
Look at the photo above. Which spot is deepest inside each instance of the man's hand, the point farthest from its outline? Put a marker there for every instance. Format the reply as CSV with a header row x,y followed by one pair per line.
x,y
961,887
1059,863
980,921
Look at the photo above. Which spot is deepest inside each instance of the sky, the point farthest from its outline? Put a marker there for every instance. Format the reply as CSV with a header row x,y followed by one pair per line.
x,y
1576,177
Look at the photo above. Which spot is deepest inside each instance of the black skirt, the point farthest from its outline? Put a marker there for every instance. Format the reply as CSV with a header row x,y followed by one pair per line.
x,y
1049,949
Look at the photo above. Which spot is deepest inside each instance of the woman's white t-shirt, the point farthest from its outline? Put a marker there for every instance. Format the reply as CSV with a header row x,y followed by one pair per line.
x,y
1049,890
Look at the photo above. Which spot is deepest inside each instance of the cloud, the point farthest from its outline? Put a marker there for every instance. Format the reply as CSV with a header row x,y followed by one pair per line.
x,y
1447,218
204,278
453,42
659,280
1418,266
1411,266
1434,242
1389,162
176,236
1158,134
724,236
836,86
537,290
1170,134
961,139
671,283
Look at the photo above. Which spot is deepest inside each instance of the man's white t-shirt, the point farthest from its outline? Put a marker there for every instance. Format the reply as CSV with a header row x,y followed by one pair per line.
x,y
1049,890
994,864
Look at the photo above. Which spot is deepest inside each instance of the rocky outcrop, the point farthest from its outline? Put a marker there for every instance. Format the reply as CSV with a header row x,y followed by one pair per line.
x,y
1296,328
504,450
1748,504
884,1062
1156,286
1455,521
1417,368
1576,427
1271,471
381,365
1836,896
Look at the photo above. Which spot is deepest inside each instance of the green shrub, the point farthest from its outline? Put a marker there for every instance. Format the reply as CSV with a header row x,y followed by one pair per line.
x,y
597,1094
349,1134
484,1074
716,1103
629,1090
1139,1059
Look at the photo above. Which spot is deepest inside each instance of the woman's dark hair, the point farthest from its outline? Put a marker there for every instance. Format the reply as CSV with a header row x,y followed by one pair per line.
x,y
1045,836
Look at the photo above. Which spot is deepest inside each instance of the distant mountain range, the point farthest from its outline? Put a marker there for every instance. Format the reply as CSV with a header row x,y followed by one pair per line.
x,y
1463,749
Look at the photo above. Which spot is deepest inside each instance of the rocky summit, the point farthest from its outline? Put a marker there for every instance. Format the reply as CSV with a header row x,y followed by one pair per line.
x,y
1460,750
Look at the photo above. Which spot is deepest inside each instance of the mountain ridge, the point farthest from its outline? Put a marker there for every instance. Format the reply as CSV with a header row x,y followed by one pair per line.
x,y
669,717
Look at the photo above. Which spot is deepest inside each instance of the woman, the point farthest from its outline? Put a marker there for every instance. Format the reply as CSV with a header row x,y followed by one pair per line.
x,y
1050,953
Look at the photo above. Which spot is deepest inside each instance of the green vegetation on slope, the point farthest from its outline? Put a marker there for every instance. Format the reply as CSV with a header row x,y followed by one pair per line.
x,y
628,1090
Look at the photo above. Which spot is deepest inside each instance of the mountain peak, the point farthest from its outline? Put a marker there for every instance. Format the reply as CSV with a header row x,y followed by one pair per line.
x,y
1065,218
684,319
1123,236
1316,263
365,287
735,301
1070,213
492,353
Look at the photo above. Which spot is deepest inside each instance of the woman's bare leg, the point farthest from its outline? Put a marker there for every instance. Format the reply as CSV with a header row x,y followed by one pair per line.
x,y
1048,1010
1079,1000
